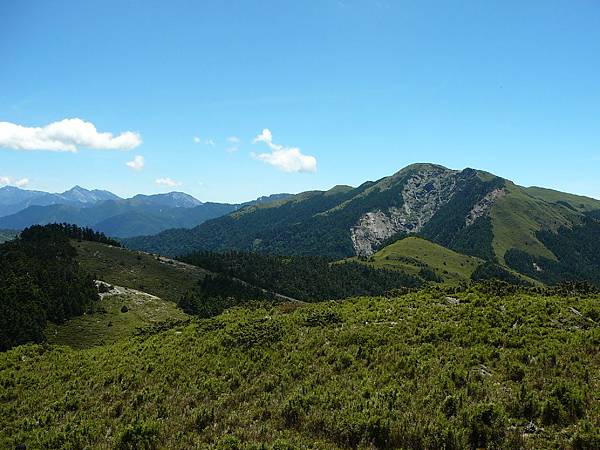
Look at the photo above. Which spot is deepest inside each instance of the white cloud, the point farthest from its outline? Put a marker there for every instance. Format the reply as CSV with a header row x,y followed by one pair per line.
x,y
266,136
288,159
7,181
197,140
137,163
167,182
234,142
64,136
210,142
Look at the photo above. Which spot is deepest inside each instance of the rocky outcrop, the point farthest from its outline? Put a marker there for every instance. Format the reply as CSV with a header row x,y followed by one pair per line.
x,y
483,206
424,193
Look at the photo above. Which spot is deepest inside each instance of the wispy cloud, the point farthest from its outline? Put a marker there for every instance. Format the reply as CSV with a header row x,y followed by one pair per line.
x,y
288,159
67,135
197,140
137,163
210,142
168,182
8,181
234,140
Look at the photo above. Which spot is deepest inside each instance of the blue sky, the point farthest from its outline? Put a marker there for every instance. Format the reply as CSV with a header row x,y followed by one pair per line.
x,y
363,87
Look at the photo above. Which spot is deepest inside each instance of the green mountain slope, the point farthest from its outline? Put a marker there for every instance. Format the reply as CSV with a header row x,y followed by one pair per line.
x,y
471,212
415,255
343,221
417,371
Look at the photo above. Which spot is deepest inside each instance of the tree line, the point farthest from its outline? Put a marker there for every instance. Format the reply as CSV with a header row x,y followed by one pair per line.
x,y
40,281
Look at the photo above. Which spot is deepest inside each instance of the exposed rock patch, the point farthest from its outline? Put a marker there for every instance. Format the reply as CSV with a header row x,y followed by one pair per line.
x,y
423,195
482,206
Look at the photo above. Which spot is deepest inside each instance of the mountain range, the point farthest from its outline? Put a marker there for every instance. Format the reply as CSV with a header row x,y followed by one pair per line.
x,y
107,212
538,233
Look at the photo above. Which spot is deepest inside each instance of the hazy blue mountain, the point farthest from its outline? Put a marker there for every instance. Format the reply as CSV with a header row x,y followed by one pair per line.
x,y
13,200
107,212
171,199
122,218
80,195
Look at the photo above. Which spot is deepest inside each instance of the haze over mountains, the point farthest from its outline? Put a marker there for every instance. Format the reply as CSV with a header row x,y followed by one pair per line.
x,y
107,212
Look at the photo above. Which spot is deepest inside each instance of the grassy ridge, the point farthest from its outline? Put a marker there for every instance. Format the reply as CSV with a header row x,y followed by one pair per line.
x,y
517,217
447,264
163,278
418,371
110,323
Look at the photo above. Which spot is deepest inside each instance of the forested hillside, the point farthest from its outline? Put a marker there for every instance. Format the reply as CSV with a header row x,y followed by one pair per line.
x,y
41,281
304,277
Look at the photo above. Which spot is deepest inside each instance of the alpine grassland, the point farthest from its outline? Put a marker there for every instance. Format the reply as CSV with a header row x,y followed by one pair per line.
x,y
487,366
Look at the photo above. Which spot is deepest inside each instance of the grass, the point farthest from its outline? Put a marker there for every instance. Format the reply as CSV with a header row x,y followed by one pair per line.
x,y
110,324
578,202
517,217
163,278
447,264
417,371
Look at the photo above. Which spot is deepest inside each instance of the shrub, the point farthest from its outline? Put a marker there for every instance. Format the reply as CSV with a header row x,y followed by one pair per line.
x,y
552,411
139,435
203,418
587,437
322,318
486,426
255,332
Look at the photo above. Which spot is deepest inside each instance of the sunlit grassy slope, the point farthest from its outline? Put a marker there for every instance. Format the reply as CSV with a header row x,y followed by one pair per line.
x,y
518,216
576,202
418,371
164,278
411,253
110,323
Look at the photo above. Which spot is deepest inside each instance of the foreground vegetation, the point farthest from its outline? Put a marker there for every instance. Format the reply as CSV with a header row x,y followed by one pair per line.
x,y
483,367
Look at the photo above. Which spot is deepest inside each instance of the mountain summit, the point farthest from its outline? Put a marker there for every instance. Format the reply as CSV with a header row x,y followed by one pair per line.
x,y
468,211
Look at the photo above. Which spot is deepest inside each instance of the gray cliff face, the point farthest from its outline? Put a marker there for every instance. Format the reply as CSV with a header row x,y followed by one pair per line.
x,y
484,205
424,193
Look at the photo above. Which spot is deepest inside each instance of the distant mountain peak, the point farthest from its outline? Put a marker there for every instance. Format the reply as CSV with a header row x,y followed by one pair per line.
x,y
173,199
82,195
